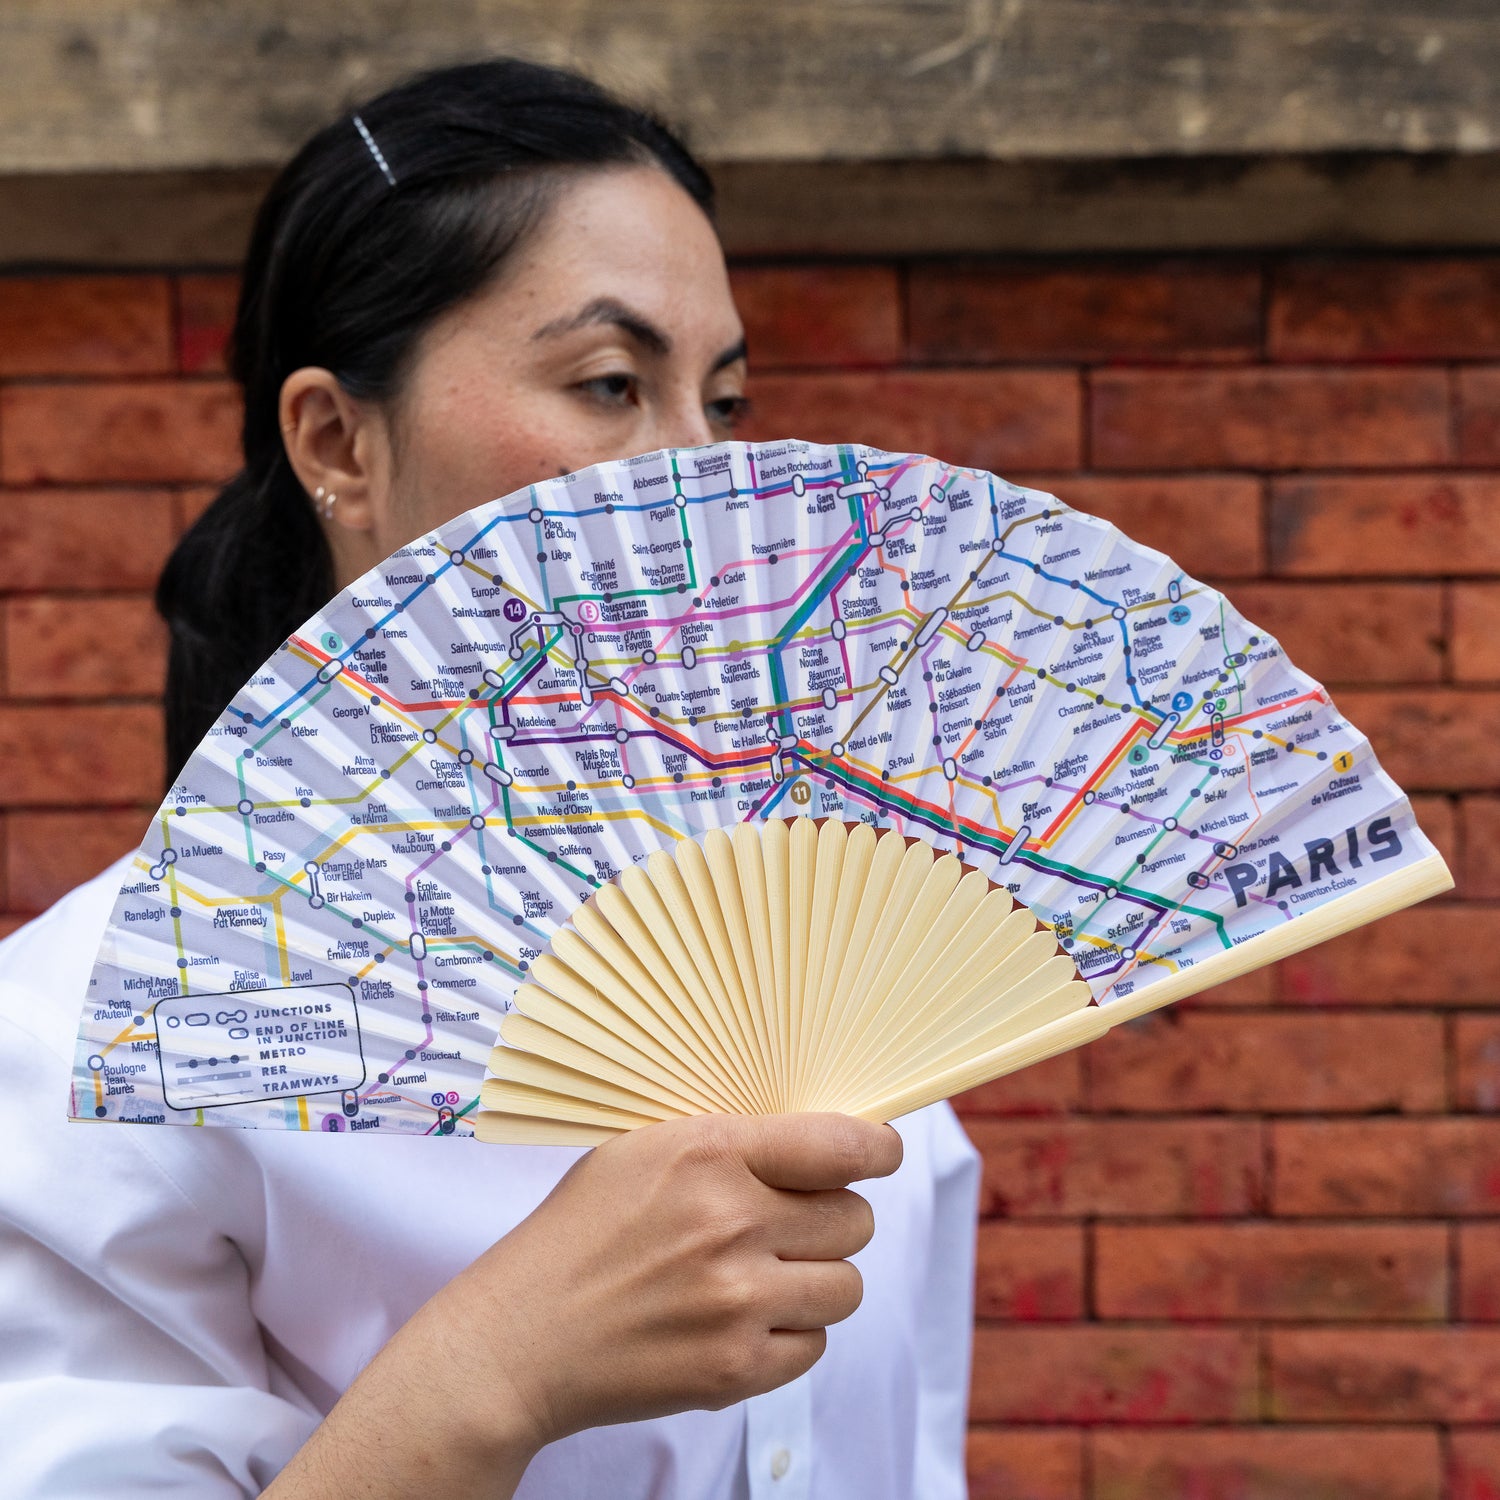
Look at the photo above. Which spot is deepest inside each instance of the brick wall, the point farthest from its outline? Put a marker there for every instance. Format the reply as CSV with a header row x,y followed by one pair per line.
x,y
1250,1249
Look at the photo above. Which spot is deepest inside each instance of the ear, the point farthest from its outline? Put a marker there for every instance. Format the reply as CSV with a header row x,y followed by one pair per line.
x,y
337,446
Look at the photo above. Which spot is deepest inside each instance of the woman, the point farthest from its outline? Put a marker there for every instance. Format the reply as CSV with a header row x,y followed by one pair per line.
x,y
485,277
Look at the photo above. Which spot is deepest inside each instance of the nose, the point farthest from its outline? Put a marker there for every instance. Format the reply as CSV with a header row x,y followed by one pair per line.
x,y
684,424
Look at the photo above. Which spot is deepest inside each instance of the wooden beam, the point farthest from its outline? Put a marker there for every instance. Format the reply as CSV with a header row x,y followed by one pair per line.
x,y
126,220
1111,206
173,85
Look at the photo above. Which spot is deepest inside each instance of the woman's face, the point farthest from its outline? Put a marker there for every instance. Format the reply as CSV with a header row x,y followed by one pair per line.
x,y
610,332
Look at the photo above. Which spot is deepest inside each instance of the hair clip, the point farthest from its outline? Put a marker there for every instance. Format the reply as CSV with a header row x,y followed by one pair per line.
x,y
375,150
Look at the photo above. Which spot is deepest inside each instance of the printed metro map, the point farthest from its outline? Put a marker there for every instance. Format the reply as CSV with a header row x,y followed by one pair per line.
x,y
336,903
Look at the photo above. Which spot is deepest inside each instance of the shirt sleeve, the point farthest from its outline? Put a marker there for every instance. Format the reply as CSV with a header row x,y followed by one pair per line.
x,y
947,1313
132,1364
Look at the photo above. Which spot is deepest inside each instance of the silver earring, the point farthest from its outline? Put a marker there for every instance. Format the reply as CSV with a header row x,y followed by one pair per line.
x,y
325,500
328,505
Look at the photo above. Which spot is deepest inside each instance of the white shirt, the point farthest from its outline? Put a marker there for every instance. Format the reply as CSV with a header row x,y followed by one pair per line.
x,y
179,1307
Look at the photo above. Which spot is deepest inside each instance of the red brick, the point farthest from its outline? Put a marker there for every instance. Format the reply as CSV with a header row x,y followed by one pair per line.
x,y
1436,1168
144,431
1385,308
1476,1061
1437,817
1209,523
191,503
1474,1466
1171,310
1267,1464
48,853
995,419
205,318
84,325
80,754
1480,876
1431,954
1034,1373
1029,1273
66,646
1476,631
1385,1375
1269,419
1385,1273
1201,1169
809,317
83,539
1197,1061
1351,632
1259,987
1479,1273
1479,415
1396,524
1048,1088
1431,739
1025,1464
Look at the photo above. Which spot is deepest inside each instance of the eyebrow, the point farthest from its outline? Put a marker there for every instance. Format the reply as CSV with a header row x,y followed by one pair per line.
x,y
732,355
608,310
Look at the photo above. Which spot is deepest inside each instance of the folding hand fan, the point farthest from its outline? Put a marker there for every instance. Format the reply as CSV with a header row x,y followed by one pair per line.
x,y
746,778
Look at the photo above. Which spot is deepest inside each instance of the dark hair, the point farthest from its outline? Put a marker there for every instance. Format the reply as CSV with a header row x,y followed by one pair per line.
x,y
384,220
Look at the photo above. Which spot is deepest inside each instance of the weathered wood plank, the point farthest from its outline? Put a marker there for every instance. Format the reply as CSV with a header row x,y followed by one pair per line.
x,y
88,85
143,219
1163,203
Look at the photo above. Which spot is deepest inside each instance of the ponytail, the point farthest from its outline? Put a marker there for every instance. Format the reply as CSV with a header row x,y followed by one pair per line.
x,y
251,568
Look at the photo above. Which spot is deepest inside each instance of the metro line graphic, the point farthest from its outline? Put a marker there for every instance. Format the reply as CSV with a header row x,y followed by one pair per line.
x,y
423,781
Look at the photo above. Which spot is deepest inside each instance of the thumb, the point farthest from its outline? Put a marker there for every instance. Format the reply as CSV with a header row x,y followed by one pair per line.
x,y
815,1152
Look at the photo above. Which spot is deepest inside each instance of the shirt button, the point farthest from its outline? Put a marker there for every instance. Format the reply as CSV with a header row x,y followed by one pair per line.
x,y
781,1461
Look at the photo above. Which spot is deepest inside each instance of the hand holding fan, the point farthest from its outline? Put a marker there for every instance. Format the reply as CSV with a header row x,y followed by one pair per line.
x,y
582,767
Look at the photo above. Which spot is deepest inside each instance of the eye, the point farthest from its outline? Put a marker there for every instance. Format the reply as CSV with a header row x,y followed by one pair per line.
x,y
728,411
609,390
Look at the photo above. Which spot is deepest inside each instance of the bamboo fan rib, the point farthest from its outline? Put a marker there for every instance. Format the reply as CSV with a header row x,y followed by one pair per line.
x,y
785,966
